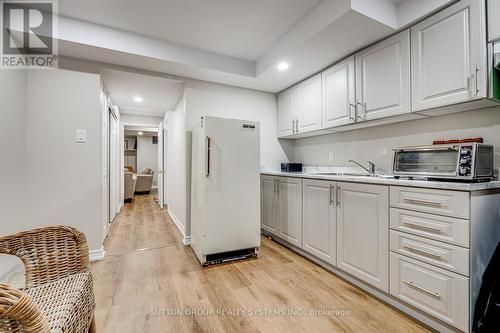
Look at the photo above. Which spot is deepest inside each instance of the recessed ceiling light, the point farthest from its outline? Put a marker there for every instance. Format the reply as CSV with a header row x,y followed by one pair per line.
x,y
138,99
282,66
140,133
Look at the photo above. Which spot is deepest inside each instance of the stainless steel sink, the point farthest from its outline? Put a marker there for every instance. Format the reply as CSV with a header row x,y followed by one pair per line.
x,y
351,174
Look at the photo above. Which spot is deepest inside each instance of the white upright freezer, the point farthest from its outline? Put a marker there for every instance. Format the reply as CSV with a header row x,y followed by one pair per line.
x,y
225,189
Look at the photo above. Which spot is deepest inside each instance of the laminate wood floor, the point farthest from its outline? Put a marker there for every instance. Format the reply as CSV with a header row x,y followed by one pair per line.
x,y
149,282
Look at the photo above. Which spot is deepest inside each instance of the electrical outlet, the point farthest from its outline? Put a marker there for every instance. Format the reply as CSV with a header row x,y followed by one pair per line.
x,y
331,156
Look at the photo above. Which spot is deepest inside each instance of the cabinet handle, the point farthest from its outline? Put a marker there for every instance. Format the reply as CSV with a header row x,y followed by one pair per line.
x,y
297,126
421,226
207,142
422,202
351,106
476,80
331,195
363,107
277,185
414,249
274,185
412,284
338,196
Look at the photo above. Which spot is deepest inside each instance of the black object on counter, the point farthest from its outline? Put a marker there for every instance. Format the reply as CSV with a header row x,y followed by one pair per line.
x,y
487,307
291,167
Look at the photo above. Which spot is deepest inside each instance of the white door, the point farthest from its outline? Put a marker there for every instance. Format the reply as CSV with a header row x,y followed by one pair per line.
x,y
269,204
319,220
161,166
448,62
105,164
309,105
287,115
383,78
339,94
363,232
290,205
114,165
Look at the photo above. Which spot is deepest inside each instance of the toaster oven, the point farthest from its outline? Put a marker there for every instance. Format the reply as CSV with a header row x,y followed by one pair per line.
x,y
461,161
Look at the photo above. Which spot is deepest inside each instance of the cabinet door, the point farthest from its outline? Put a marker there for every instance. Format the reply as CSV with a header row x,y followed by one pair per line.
x,y
309,105
287,112
448,57
383,78
363,232
319,219
339,94
290,217
269,204
493,20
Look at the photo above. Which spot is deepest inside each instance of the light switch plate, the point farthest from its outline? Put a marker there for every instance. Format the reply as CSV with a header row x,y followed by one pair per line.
x,y
81,136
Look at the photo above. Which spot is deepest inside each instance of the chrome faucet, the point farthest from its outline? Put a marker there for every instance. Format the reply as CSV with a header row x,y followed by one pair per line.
x,y
370,169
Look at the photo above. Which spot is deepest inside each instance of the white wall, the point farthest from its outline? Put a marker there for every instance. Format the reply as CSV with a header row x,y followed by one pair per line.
x,y
130,119
147,156
376,143
178,170
13,215
48,178
64,177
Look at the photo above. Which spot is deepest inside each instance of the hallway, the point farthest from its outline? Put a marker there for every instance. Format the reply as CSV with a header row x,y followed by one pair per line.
x,y
150,282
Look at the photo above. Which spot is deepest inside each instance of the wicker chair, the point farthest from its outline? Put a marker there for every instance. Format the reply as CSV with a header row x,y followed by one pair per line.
x,y
58,296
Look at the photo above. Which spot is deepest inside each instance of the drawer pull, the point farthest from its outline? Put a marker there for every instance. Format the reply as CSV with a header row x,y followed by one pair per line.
x,y
421,226
414,249
412,284
423,202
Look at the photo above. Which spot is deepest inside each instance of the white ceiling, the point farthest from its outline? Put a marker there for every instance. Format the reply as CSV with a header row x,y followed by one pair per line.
x,y
238,28
235,42
158,94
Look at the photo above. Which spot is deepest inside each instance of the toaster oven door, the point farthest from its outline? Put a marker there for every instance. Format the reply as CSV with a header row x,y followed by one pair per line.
x,y
428,161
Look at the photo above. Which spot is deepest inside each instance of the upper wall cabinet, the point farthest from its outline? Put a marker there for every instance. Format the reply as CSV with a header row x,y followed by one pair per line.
x,y
383,78
339,95
448,60
309,105
493,20
287,112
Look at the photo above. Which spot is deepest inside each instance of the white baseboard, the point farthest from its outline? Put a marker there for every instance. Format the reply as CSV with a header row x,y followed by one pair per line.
x,y
95,255
186,240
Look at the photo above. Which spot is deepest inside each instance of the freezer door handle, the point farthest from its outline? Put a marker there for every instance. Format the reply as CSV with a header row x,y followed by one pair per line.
x,y
207,162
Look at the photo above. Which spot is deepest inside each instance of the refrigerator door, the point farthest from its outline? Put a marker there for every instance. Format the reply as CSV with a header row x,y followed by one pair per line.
x,y
232,185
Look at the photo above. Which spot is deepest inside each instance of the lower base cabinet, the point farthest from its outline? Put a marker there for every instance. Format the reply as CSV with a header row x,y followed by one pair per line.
x,y
441,293
319,221
362,232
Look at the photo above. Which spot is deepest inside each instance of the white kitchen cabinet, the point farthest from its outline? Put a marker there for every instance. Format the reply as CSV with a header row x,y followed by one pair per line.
x,y
287,112
319,219
269,203
362,232
383,78
448,57
493,20
309,105
339,94
290,210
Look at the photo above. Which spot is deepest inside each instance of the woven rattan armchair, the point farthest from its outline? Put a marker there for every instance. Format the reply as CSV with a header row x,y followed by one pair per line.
x,y
58,296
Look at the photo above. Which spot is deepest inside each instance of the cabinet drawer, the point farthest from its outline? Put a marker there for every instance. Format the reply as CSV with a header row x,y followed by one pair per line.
x,y
450,203
441,228
440,293
451,257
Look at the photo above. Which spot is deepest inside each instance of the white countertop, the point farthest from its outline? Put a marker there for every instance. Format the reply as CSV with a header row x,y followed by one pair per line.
x,y
445,185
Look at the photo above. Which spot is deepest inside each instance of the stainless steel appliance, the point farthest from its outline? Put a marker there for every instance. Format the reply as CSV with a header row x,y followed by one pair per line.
x,y
494,70
461,161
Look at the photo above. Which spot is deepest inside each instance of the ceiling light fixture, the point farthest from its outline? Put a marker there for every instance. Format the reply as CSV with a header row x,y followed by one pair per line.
x,y
282,66
138,99
140,133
